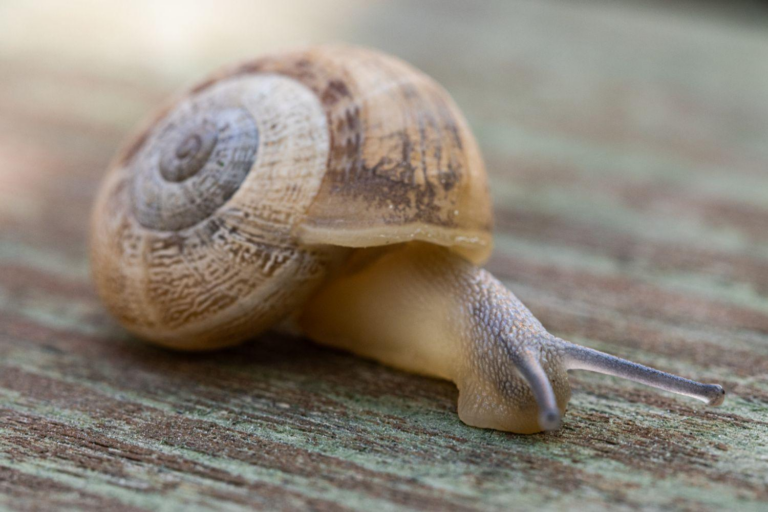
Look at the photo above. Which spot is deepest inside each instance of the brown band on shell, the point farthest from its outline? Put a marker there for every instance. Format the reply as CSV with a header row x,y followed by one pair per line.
x,y
402,159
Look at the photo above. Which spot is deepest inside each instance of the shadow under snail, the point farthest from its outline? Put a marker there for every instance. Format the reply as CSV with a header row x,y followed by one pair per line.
x,y
342,189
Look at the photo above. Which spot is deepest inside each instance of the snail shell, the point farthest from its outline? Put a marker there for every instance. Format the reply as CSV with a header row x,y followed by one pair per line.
x,y
227,210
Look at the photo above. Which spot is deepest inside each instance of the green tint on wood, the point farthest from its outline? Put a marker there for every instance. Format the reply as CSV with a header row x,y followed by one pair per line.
x,y
626,148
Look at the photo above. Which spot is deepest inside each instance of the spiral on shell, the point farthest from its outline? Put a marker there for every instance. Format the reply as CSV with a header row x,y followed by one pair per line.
x,y
194,165
234,203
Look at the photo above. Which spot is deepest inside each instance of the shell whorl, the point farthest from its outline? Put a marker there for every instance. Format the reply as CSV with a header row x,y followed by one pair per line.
x,y
192,230
196,161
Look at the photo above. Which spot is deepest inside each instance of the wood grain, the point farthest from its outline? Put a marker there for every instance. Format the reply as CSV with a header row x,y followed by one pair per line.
x,y
627,158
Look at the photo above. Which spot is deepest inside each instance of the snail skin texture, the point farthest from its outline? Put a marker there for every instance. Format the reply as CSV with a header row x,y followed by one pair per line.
x,y
342,189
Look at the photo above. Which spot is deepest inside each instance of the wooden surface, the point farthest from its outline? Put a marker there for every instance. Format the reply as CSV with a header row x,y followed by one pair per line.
x,y
627,152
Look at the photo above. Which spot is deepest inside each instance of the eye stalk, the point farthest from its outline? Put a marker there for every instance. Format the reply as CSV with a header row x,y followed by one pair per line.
x,y
583,358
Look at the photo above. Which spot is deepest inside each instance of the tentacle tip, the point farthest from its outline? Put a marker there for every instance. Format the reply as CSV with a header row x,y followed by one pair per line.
x,y
550,420
716,395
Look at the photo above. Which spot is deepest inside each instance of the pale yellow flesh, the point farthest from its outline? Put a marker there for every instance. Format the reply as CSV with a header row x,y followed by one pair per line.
x,y
424,309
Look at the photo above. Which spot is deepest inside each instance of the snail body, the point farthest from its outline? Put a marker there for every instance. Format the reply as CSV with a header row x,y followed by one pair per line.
x,y
343,188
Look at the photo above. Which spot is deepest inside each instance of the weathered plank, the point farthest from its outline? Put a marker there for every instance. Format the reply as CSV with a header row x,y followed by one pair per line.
x,y
627,153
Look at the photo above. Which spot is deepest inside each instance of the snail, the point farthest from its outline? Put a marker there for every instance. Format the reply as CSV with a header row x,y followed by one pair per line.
x,y
340,189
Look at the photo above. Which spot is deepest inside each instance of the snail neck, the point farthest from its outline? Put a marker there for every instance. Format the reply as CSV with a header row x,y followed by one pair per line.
x,y
398,305
424,309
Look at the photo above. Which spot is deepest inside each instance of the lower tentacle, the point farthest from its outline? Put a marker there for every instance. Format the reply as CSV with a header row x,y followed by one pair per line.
x,y
527,363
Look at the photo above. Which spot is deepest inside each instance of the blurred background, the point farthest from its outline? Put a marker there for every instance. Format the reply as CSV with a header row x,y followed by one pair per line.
x,y
656,109
627,148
